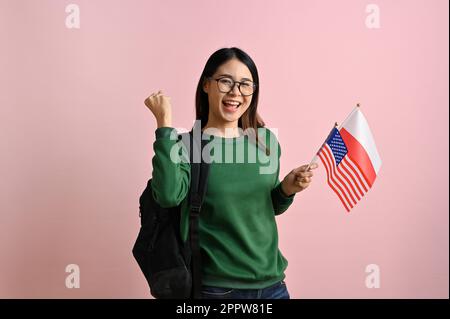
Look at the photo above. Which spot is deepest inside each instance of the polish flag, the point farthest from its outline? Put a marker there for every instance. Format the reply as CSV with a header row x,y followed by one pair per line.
x,y
351,159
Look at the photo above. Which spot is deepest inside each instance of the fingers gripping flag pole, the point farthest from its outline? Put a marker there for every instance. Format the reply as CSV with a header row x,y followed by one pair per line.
x,y
351,159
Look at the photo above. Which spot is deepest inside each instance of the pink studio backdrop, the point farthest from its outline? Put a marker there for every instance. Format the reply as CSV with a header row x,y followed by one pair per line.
x,y
76,138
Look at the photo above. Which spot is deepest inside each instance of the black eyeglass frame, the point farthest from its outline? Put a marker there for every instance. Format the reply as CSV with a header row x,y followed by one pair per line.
x,y
254,85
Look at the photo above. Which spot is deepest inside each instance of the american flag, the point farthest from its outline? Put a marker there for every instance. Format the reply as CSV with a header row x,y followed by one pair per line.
x,y
351,160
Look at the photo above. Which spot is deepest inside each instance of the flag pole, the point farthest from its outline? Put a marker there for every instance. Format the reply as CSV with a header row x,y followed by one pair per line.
x,y
314,159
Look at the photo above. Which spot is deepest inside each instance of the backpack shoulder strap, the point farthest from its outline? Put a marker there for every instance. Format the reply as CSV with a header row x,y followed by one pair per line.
x,y
199,178
199,170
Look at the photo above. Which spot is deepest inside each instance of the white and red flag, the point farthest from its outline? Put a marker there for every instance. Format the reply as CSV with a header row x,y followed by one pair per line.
x,y
351,159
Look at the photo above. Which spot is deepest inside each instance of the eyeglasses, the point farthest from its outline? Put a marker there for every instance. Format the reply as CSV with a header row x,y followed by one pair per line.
x,y
226,85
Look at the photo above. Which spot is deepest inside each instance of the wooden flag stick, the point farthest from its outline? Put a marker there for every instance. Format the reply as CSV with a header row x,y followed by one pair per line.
x,y
314,159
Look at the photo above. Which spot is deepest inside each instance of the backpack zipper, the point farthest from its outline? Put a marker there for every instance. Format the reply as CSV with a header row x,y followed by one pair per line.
x,y
155,233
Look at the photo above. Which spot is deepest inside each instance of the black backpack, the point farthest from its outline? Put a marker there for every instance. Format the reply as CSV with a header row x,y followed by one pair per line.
x,y
172,267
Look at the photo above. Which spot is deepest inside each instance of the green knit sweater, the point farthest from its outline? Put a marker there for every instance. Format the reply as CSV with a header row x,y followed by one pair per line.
x,y
237,227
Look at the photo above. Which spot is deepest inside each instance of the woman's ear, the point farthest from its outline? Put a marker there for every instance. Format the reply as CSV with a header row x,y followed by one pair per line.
x,y
205,86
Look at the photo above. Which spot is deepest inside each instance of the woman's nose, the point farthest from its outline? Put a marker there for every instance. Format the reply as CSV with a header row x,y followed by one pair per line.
x,y
235,90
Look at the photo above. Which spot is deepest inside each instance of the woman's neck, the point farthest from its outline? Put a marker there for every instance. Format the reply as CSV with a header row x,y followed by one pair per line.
x,y
223,130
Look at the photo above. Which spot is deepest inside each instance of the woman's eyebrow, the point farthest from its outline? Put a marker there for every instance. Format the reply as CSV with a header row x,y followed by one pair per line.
x,y
228,75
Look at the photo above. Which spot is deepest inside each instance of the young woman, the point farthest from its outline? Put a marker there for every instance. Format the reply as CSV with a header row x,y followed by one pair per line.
x,y
237,227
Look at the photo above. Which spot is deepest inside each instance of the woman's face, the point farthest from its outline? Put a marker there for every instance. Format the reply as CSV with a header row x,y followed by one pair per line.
x,y
219,110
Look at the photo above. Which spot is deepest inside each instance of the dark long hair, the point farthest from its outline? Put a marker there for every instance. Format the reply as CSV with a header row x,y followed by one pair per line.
x,y
251,118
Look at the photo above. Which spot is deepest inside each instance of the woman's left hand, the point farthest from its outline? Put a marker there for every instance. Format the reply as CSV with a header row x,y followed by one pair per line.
x,y
298,179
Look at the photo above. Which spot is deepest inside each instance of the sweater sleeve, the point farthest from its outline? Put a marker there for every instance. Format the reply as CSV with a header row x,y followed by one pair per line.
x,y
171,169
280,201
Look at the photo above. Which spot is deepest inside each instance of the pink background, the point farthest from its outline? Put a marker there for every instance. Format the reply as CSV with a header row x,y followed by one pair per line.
x,y
76,138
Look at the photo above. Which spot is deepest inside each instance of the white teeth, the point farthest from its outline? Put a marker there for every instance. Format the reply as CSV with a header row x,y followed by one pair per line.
x,y
231,103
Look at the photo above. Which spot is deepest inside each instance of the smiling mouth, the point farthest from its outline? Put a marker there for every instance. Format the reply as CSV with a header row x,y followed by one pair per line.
x,y
230,107
231,104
